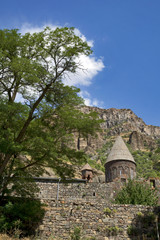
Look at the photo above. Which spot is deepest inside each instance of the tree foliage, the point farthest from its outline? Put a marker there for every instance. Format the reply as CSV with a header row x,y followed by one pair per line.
x,y
38,113
137,193
20,216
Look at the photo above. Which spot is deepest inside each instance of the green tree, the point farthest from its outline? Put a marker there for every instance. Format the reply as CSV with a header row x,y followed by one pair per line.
x,y
21,216
137,193
37,131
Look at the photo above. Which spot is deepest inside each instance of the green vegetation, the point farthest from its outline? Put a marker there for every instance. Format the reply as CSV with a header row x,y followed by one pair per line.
x,y
107,211
113,231
101,155
93,163
39,114
133,231
148,164
20,216
137,193
76,235
104,151
144,226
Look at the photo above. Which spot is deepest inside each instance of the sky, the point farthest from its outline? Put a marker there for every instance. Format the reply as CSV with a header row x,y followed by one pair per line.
x,y
124,69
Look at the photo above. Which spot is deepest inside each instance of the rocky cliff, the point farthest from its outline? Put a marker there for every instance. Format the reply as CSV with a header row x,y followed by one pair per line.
x,y
120,122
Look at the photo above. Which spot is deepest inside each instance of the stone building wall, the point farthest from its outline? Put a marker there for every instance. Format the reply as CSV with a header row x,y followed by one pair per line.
x,y
97,220
120,169
94,191
89,207
72,191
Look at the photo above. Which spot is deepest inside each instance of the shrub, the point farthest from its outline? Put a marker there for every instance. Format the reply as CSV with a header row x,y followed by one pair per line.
x,y
144,226
23,215
107,211
133,231
76,235
113,231
137,193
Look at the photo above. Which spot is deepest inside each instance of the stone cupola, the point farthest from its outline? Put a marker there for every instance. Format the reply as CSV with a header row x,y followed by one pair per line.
x,y
120,164
87,172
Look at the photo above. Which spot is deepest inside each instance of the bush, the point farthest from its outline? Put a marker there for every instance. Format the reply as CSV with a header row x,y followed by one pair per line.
x,y
20,214
144,226
133,231
137,193
76,235
107,211
113,231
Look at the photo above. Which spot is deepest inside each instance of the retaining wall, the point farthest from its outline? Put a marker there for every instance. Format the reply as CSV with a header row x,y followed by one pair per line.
x,y
85,205
97,220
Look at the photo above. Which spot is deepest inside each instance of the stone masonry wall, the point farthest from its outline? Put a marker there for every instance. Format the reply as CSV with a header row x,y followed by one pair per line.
x,y
74,191
88,206
81,190
97,220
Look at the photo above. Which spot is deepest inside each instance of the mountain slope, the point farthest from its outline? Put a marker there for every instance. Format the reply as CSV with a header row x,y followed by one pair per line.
x,y
121,122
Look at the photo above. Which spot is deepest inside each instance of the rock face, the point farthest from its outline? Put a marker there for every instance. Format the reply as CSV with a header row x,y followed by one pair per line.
x,y
136,141
120,122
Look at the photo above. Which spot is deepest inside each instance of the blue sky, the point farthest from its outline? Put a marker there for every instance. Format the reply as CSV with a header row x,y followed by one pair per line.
x,y
124,70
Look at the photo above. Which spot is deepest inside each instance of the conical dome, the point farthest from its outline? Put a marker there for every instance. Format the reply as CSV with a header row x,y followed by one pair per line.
x,y
86,167
120,151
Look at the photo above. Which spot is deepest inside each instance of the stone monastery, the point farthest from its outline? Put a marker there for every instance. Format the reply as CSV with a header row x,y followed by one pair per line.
x,y
119,167
87,203
120,164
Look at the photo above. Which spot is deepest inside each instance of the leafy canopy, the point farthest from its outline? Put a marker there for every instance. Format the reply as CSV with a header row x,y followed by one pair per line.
x,y
39,114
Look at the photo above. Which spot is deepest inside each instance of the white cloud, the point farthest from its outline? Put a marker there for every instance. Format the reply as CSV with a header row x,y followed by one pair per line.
x,y
89,68
84,94
78,33
27,27
89,101
90,65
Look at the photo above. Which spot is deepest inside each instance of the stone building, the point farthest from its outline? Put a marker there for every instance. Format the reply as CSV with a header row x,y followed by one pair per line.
x,y
87,173
120,164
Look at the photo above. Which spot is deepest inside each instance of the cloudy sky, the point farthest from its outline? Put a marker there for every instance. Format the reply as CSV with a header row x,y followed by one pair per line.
x,y
124,69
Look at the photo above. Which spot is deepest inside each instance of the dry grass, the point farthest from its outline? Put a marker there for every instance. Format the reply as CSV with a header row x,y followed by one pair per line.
x,y
6,237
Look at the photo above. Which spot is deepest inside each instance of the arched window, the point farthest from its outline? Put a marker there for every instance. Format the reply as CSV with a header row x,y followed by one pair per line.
x,y
114,170
127,171
120,171
109,174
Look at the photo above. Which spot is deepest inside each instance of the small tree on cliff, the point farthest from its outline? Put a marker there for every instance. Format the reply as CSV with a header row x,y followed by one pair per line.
x,y
41,124
137,193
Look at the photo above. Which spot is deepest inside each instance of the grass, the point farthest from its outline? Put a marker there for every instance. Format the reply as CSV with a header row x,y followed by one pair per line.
x,y
6,237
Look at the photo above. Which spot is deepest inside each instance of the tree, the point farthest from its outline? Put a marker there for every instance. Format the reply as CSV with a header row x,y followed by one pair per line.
x,y
20,217
137,193
35,132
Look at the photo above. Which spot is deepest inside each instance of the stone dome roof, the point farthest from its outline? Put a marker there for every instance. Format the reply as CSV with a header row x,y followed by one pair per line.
x,y
120,151
87,167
